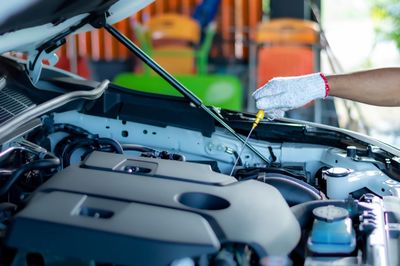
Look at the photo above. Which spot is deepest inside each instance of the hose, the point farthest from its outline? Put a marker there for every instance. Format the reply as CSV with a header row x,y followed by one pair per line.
x,y
81,138
36,165
71,129
88,143
113,143
152,153
135,147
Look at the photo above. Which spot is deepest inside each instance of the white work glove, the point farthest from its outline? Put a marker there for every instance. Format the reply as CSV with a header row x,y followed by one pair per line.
x,y
287,93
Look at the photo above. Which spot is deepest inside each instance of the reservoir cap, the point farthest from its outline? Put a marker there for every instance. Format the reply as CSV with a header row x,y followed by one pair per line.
x,y
337,172
330,213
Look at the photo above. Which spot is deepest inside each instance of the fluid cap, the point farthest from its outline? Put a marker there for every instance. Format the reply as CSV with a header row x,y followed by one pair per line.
x,y
330,213
337,172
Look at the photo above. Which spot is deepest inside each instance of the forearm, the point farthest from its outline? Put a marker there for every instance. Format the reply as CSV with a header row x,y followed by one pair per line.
x,y
377,87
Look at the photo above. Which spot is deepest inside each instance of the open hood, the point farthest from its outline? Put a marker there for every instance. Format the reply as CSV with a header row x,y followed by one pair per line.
x,y
93,173
27,24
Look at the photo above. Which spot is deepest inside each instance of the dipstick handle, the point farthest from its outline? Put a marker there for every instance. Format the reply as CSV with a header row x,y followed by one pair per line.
x,y
259,116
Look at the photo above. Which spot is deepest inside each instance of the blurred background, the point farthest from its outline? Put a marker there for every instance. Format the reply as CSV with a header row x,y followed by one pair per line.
x,y
223,50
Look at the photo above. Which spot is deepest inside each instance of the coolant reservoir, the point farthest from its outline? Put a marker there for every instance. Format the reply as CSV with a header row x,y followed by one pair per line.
x,y
338,183
332,231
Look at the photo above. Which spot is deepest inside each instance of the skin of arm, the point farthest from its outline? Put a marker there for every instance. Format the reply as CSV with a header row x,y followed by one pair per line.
x,y
377,87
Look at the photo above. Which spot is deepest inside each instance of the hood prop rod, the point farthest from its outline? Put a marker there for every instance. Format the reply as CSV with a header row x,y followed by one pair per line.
x,y
177,85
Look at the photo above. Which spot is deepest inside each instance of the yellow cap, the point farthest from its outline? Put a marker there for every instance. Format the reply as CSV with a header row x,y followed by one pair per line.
x,y
259,116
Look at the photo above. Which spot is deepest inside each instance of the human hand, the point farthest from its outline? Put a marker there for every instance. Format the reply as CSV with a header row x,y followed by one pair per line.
x,y
287,93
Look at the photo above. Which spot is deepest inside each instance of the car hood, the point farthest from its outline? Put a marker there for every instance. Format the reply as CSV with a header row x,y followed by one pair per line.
x,y
26,24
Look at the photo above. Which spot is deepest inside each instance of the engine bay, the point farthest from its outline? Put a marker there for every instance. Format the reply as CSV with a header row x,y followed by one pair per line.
x,y
127,178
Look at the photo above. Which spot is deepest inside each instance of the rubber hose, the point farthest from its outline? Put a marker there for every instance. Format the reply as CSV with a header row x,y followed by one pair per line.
x,y
135,147
113,143
36,165
81,143
71,129
71,147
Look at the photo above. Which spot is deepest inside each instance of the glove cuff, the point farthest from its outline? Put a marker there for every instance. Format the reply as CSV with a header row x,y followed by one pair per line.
x,y
314,85
327,88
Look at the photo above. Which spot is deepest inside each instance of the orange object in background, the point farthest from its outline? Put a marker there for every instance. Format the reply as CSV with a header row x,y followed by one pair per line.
x,y
288,31
172,40
173,26
175,59
286,48
82,66
283,61
96,45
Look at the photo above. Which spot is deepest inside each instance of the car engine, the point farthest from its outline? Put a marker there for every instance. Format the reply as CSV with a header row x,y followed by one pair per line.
x,y
109,181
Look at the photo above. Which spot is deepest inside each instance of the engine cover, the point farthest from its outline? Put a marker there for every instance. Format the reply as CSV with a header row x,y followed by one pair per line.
x,y
133,210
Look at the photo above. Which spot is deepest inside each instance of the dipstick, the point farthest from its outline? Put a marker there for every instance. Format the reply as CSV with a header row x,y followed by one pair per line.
x,y
259,116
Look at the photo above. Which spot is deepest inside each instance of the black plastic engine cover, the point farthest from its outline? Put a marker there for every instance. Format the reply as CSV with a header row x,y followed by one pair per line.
x,y
108,212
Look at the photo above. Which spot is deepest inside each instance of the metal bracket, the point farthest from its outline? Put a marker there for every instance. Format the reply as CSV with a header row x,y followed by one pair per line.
x,y
34,64
46,50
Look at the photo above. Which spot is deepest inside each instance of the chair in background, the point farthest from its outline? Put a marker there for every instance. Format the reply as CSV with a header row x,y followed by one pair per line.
x,y
173,40
286,47
176,42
